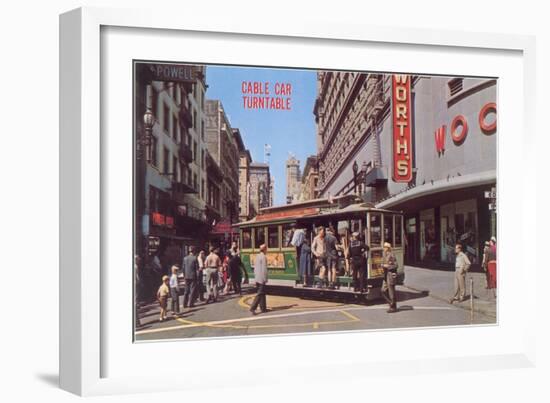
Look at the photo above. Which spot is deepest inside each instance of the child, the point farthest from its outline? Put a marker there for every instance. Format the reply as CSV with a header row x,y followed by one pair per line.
x,y
175,290
162,297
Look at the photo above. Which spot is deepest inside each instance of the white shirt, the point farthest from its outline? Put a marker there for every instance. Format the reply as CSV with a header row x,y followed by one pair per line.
x,y
174,281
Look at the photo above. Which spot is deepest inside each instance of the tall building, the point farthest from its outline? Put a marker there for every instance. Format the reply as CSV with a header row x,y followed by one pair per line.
x,y
310,179
293,179
170,198
422,145
224,150
261,187
246,210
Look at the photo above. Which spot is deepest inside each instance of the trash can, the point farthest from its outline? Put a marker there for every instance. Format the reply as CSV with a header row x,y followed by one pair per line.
x,y
492,270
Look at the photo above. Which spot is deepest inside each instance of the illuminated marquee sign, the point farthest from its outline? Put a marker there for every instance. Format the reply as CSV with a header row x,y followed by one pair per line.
x,y
402,140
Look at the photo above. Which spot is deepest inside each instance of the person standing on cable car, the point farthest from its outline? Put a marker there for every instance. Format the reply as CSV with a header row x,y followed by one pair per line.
x,y
358,255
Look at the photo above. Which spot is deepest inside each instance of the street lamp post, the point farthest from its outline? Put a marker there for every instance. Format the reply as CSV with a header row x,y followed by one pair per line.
x,y
355,167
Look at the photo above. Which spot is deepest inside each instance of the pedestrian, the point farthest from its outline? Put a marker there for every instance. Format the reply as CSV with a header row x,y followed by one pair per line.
x,y
138,288
332,256
228,284
175,290
162,297
297,241
156,271
213,264
485,262
235,273
190,271
389,264
319,250
200,276
493,249
304,264
260,277
358,256
462,265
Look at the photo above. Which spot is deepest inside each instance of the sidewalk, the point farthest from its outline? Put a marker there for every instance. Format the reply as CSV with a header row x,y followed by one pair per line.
x,y
440,285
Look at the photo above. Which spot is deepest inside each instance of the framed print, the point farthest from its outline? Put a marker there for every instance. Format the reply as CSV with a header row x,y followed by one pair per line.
x,y
283,190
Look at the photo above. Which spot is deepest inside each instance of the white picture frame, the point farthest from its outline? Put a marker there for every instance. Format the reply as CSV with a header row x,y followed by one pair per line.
x,y
83,340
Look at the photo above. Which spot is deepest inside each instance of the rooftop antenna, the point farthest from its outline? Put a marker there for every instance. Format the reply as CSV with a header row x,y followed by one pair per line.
x,y
267,153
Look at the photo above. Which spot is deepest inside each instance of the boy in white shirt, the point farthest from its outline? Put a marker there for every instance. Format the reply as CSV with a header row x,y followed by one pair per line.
x,y
175,290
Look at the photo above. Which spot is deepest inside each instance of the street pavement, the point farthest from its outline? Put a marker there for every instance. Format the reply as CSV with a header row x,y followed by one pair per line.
x,y
422,302
440,285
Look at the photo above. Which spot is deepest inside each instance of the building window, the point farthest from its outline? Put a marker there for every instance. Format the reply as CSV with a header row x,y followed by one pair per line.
x,y
174,128
166,161
174,168
455,85
195,120
194,151
154,151
189,177
155,102
202,189
166,119
195,182
202,131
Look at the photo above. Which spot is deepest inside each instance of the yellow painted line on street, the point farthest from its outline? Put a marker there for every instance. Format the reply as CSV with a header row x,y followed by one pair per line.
x,y
352,317
244,303
315,325
190,324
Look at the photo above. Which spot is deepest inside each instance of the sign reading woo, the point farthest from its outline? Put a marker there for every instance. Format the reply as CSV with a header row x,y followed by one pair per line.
x,y
402,140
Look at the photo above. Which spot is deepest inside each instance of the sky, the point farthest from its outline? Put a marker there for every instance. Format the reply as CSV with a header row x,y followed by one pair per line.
x,y
285,130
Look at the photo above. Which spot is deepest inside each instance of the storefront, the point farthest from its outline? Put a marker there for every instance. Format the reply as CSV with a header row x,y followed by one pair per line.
x,y
450,196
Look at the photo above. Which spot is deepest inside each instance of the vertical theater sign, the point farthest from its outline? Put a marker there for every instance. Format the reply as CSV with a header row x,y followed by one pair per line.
x,y
402,139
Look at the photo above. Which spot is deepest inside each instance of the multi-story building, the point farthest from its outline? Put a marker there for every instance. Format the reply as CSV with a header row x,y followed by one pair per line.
x,y
261,186
423,145
223,146
246,210
293,179
310,179
170,198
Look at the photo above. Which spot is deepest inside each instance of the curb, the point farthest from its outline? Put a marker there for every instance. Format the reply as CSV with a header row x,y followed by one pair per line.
x,y
477,309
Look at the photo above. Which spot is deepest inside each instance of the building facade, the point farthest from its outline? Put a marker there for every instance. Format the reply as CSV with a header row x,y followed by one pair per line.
x,y
246,210
423,145
293,179
261,186
223,148
310,179
170,200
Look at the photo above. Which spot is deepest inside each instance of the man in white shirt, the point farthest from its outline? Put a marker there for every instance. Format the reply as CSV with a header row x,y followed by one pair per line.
x,y
260,277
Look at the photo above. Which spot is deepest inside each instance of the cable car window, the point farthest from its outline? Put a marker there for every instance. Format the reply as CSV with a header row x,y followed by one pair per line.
x,y
388,228
259,237
273,237
288,232
398,235
247,238
375,228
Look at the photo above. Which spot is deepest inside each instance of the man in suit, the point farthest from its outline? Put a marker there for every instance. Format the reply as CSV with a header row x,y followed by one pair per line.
x,y
260,277
190,271
462,265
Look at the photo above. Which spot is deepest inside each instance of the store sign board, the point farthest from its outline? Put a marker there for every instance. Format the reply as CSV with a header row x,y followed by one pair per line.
x,y
402,137
177,73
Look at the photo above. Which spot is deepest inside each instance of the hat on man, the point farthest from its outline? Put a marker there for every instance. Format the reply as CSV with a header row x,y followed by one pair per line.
x,y
355,234
493,239
165,277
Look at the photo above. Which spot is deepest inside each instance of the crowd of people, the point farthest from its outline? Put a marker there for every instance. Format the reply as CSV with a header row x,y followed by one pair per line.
x,y
200,277
323,257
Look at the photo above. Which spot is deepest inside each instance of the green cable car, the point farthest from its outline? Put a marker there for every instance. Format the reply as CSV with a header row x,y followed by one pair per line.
x,y
275,226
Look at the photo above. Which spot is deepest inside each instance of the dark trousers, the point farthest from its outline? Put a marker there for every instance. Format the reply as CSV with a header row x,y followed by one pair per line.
x,y
189,293
359,269
199,289
236,282
388,288
260,298
175,299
